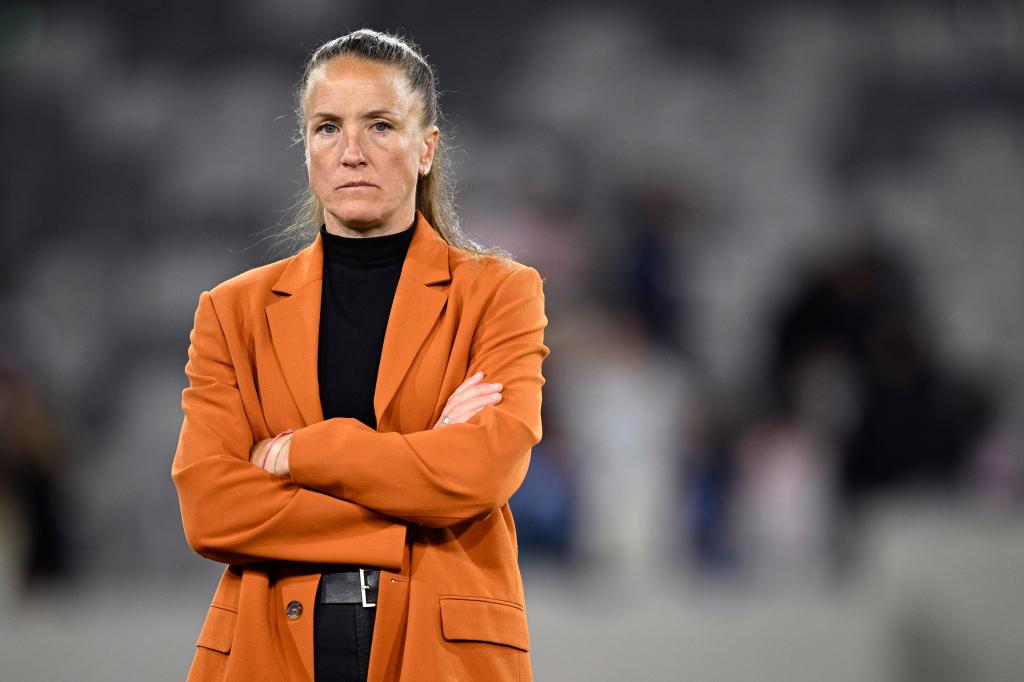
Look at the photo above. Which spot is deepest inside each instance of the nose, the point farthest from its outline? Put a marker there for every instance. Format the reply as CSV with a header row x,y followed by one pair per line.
x,y
352,153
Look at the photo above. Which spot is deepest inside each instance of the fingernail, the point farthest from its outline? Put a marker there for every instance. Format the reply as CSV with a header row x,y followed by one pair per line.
x,y
497,386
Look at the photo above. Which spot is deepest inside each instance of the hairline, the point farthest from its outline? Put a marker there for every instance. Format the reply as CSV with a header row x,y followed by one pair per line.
x,y
308,83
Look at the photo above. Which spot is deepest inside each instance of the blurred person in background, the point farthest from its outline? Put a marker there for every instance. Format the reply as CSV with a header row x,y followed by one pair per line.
x,y
900,418
359,414
630,399
32,461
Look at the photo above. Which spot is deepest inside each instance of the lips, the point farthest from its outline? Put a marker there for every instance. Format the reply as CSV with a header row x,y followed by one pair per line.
x,y
348,185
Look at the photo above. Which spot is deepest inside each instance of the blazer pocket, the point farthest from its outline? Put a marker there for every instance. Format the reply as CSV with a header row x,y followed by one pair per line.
x,y
218,630
482,620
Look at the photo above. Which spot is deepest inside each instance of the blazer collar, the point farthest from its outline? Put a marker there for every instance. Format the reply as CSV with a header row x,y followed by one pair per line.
x,y
294,319
426,260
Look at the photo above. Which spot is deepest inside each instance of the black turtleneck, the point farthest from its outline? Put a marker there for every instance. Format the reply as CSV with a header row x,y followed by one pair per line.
x,y
359,282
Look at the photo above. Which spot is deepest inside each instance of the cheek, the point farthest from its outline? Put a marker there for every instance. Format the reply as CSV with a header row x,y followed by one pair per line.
x,y
318,163
404,163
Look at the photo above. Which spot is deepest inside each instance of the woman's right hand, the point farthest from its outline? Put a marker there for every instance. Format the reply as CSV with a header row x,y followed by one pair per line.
x,y
469,398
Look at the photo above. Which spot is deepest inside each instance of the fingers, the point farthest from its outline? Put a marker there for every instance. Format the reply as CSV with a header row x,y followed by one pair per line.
x,y
466,392
258,456
470,406
261,452
468,399
277,455
475,379
465,408
470,394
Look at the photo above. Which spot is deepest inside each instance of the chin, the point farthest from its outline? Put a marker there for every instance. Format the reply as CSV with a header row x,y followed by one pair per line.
x,y
357,216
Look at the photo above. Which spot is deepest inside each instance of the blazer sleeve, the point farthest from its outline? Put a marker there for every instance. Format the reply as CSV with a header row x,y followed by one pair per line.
x,y
235,512
459,472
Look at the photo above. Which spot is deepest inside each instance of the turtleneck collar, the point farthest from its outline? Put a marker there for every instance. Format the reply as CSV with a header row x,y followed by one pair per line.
x,y
368,252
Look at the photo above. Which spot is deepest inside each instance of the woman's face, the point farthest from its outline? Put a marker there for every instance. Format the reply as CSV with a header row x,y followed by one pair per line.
x,y
366,146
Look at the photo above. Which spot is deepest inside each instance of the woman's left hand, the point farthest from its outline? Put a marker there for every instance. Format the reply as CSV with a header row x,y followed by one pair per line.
x,y
272,453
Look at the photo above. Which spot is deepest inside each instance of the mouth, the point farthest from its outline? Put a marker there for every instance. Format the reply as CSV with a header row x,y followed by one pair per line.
x,y
352,185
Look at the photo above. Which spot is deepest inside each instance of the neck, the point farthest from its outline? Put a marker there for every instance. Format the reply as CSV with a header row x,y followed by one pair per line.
x,y
398,224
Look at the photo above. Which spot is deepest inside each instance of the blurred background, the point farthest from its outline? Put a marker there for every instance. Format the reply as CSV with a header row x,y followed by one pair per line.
x,y
782,249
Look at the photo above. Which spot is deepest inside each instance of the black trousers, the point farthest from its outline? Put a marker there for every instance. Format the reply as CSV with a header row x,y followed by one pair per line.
x,y
341,640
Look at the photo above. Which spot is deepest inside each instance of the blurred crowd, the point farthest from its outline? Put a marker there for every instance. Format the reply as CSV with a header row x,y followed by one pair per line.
x,y
781,247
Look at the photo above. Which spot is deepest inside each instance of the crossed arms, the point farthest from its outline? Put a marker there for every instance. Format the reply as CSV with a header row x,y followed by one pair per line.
x,y
352,490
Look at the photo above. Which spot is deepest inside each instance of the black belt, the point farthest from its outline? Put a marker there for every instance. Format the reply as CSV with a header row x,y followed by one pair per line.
x,y
355,586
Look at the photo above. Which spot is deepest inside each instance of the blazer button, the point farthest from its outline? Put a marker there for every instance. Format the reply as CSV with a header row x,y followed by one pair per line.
x,y
294,610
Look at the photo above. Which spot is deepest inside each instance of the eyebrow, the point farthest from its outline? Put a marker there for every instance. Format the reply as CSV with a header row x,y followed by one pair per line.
x,y
369,114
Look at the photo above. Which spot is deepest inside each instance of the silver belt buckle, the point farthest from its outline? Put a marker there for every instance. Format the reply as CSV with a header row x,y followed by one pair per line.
x,y
363,588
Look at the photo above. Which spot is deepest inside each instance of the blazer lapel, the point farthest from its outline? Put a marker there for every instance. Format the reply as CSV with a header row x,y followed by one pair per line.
x,y
295,327
295,320
416,307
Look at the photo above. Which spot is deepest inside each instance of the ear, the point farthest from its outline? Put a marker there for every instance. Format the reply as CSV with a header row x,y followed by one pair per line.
x,y
430,139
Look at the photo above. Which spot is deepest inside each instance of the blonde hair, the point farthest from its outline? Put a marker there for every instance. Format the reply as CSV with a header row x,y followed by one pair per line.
x,y
435,191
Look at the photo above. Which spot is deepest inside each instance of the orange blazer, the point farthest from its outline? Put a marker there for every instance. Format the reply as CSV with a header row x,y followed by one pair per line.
x,y
428,506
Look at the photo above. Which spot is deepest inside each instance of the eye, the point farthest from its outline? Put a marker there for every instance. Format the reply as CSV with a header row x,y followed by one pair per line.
x,y
381,126
327,127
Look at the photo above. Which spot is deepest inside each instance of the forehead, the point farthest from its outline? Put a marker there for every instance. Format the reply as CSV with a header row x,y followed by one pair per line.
x,y
354,83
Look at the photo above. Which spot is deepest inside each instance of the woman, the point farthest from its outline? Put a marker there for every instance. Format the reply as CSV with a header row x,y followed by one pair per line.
x,y
342,449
